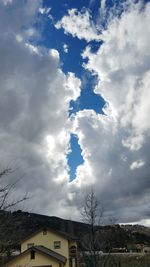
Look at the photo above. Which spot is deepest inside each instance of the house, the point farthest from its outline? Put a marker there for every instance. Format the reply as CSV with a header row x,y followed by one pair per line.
x,y
46,248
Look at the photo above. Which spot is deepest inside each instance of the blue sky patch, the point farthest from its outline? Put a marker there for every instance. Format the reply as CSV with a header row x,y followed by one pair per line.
x,y
72,61
74,157
87,99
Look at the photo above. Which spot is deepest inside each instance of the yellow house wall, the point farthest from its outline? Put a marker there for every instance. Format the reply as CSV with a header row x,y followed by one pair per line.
x,y
25,261
47,241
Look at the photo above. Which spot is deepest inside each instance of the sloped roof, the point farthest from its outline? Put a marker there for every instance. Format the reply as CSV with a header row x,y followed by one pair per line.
x,y
49,252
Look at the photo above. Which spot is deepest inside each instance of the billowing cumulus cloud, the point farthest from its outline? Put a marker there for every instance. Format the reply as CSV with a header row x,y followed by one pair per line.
x,y
79,24
34,104
115,146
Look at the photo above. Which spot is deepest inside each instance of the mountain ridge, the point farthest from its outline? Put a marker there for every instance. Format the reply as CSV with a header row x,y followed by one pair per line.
x,y
17,225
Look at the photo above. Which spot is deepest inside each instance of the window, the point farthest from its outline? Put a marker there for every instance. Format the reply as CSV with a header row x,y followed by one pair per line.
x,y
32,255
73,251
29,245
57,244
44,232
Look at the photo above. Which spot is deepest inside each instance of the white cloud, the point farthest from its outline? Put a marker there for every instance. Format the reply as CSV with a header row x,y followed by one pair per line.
x,y
54,53
114,145
79,24
34,104
133,142
137,164
66,48
44,10
122,65
35,128
73,85
32,48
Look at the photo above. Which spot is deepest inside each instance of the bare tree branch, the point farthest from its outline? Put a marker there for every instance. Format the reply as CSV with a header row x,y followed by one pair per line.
x,y
91,213
5,191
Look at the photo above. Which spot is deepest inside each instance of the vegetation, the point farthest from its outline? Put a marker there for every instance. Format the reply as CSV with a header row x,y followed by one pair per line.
x,y
15,226
121,260
6,189
7,202
20,224
92,214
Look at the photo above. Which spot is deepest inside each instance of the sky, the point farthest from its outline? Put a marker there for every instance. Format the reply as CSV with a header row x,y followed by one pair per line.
x,y
75,105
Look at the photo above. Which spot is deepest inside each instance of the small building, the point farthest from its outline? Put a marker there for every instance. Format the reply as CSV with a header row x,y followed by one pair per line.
x,y
46,248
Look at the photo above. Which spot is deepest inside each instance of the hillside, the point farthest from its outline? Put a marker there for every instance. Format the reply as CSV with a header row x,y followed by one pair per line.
x,y
17,225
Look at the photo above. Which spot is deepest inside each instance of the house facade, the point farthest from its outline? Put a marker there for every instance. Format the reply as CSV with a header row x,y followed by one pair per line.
x,y
46,248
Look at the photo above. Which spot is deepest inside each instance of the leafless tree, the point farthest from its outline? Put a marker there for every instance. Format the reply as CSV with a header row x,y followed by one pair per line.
x,y
6,189
92,214
8,201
